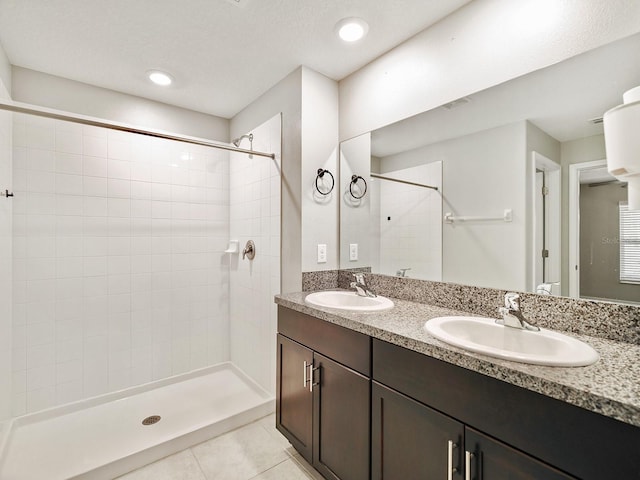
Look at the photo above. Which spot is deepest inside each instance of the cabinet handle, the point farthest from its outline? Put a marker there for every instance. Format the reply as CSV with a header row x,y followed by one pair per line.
x,y
304,374
450,468
467,464
311,382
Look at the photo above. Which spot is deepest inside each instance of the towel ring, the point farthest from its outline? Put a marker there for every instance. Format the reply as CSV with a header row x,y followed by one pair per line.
x,y
354,180
321,173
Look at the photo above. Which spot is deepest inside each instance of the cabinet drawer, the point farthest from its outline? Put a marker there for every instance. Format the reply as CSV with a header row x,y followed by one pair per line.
x,y
345,346
583,443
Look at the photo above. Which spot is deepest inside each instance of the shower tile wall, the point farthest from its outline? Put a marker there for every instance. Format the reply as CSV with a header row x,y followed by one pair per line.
x,y
119,275
410,223
6,286
255,215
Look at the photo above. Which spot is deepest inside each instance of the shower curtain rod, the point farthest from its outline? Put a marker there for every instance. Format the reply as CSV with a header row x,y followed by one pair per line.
x,y
375,175
17,107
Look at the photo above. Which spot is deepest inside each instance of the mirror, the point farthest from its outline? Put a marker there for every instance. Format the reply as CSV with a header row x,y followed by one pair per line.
x,y
485,190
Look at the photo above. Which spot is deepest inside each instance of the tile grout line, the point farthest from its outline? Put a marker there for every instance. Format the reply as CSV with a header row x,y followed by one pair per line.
x,y
286,449
292,456
311,475
270,468
257,422
195,457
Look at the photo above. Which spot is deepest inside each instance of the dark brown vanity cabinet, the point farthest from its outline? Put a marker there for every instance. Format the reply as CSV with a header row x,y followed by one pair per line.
x,y
359,408
323,394
411,440
509,432
295,399
341,421
487,458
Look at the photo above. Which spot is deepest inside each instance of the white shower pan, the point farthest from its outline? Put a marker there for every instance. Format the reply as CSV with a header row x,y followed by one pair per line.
x,y
103,437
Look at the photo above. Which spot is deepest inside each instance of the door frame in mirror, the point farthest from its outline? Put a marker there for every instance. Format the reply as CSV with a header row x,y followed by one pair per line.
x,y
574,221
553,223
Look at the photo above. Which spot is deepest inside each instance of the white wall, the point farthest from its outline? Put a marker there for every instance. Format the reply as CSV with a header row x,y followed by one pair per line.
x,y
308,103
482,174
484,43
319,150
375,228
118,272
45,90
542,143
5,72
355,214
255,215
6,259
576,151
285,98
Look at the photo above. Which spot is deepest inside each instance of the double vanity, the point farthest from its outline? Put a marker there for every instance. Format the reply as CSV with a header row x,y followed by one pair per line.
x,y
510,337
397,389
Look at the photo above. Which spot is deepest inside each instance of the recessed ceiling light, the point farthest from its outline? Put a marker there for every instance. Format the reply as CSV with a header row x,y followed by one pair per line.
x,y
351,29
159,78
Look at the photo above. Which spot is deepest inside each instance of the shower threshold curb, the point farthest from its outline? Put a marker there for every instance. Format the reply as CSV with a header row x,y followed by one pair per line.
x,y
157,447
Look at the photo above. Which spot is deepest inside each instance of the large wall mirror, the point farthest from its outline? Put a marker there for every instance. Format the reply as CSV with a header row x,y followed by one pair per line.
x,y
505,188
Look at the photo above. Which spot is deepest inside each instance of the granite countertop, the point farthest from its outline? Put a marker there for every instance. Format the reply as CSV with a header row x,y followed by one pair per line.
x,y
610,387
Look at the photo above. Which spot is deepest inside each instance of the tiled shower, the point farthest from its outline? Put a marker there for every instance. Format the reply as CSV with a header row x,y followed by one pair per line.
x,y
120,275
408,216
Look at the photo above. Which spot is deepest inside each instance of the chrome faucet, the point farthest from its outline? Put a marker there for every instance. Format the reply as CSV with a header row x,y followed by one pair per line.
x,y
361,286
402,272
512,314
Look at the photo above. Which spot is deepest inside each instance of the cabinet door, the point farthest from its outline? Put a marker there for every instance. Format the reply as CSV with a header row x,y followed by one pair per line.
x,y
294,400
493,460
411,441
341,421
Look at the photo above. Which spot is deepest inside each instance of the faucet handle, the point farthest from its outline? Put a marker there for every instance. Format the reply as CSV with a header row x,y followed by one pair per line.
x,y
512,300
361,286
359,277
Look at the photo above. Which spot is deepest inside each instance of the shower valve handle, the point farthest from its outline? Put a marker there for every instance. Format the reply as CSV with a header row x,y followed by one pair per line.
x,y
249,250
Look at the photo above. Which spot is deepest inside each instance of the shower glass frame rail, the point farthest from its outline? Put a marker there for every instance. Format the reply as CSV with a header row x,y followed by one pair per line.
x,y
406,182
18,107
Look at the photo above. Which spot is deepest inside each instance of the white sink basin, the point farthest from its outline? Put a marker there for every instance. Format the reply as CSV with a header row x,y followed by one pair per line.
x,y
483,335
345,300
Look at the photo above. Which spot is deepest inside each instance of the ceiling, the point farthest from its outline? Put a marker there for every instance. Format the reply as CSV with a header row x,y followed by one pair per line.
x,y
223,54
560,100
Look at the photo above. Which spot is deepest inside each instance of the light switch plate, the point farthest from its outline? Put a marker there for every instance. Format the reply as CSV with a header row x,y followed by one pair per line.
x,y
353,252
322,253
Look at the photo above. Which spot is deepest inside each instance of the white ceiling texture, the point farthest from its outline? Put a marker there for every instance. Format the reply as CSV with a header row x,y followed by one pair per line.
x,y
223,54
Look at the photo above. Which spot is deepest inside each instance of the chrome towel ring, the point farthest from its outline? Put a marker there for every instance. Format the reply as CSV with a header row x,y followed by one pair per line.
x,y
354,181
320,175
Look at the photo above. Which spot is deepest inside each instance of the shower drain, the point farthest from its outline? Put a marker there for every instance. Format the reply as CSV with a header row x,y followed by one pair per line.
x,y
151,420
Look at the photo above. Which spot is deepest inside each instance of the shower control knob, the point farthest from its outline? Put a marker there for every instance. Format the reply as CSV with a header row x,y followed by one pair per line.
x,y
249,250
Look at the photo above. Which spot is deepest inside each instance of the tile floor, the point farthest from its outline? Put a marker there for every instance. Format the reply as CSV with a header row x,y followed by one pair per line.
x,y
254,452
